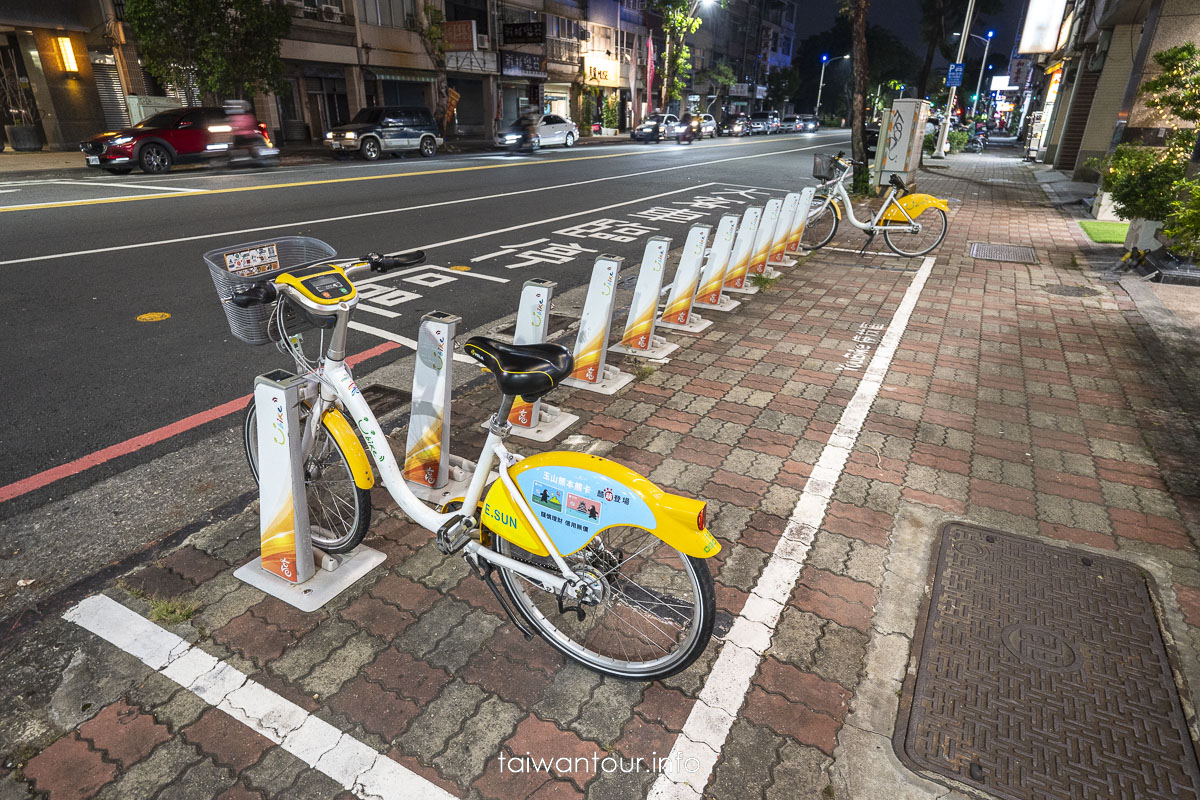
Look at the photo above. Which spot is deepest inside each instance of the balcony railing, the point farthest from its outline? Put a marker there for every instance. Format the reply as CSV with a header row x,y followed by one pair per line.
x,y
564,50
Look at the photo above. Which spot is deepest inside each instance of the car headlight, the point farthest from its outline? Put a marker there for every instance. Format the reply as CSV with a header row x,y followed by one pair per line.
x,y
511,137
328,134
220,128
120,140
350,135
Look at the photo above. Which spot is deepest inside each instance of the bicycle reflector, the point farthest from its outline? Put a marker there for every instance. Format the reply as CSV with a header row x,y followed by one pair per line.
x,y
700,518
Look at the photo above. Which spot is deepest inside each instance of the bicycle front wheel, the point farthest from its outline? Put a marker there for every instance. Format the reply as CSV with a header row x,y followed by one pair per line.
x,y
822,223
908,243
651,614
339,512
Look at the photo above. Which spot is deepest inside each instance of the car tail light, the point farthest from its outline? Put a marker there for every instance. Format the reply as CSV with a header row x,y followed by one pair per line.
x,y
700,518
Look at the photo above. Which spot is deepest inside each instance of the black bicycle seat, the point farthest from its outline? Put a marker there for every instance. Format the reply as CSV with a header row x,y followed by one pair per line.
x,y
528,371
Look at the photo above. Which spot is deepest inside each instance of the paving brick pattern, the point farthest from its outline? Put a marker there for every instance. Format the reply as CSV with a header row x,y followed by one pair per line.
x,y
1005,405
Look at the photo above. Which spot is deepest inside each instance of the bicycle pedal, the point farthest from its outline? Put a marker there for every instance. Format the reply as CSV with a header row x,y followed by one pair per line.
x,y
445,544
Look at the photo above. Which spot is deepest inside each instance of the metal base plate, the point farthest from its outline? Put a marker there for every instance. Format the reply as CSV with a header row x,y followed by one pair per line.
x,y
461,470
613,381
695,324
726,304
322,587
659,349
552,421
1042,673
783,262
747,289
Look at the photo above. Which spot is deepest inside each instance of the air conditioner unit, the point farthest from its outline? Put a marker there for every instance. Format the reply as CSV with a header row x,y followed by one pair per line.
x,y
331,14
481,42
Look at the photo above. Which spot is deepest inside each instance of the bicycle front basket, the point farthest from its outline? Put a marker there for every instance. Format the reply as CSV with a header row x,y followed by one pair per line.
x,y
824,167
241,265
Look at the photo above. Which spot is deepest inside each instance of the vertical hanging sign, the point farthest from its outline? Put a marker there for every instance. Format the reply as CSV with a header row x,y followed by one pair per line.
x,y
427,455
762,240
678,314
639,338
799,219
779,239
743,248
285,549
591,345
712,279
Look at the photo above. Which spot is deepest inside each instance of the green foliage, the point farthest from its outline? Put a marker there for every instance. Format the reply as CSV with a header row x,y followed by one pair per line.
x,y
611,113
929,142
1183,223
1142,179
587,112
1177,88
958,140
678,21
171,611
718,78
230,46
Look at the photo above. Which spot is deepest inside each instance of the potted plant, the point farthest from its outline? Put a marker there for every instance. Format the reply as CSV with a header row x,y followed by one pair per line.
x,y
23,133
1142,184
610,115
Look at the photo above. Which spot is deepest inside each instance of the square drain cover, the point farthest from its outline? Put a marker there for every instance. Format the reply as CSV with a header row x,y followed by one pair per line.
x,y
1042,675
1015,253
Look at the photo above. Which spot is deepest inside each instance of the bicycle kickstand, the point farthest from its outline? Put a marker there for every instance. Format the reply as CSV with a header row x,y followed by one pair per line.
x,y
485,574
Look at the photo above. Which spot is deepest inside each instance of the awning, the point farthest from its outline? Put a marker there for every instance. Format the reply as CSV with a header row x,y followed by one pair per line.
x,y
409,75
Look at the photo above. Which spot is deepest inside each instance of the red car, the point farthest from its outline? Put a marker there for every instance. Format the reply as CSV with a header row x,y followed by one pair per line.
x,y
177,136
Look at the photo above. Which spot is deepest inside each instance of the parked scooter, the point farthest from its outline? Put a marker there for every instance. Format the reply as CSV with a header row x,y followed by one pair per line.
x,y
688,129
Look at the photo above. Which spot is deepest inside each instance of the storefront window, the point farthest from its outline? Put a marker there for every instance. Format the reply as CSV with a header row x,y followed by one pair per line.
x,y
388,13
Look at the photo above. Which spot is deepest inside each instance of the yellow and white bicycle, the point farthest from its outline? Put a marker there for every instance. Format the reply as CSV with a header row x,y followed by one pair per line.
x,y
911,224
605,566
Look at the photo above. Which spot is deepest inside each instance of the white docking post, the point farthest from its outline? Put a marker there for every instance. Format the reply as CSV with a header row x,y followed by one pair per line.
x,y
432,473
538,420
679,314
591,345
762,240
639,338
799,220
743,249
787,213
711,293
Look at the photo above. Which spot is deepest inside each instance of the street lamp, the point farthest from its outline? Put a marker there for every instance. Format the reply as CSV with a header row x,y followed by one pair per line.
x,y
821,84
940,150
982,67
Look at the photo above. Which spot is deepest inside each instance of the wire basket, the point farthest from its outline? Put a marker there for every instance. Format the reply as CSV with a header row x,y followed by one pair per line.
x,y
824,167
242,265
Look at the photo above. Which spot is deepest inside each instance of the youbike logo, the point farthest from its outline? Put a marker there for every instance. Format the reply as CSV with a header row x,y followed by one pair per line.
x,y
607,287
278,425
370,435
538,310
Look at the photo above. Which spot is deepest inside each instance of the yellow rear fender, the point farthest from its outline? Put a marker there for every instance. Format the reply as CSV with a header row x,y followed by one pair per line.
x,y
914,205
343,433
577,496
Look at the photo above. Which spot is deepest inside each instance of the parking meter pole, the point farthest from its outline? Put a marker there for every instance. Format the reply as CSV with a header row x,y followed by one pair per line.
x,y
762,240
711,293
782,227
639,338
591,345
743,248
799,220
944,130
538,420
678,314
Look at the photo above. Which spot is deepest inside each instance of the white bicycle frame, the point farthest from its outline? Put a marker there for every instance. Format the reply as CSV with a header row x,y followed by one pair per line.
x,y
336,384
836,190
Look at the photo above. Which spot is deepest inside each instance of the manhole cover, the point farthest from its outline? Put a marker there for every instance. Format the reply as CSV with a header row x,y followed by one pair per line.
x,y
1072,291
1015,253
1042,675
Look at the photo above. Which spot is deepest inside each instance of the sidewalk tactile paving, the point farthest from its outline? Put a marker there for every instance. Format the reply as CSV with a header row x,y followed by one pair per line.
x,y
1042,673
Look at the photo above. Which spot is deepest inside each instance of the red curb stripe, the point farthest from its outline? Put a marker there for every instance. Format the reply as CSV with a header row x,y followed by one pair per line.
x,y
47,477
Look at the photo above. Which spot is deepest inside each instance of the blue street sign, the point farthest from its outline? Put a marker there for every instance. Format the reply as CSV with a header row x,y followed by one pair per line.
x,y
954,74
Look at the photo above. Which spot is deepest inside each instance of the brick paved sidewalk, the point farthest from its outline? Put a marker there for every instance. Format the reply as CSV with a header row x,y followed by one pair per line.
x,y
1004,405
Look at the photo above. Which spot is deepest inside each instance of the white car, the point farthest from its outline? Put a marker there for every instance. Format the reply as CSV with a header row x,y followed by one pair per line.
x,y
553,129
708,126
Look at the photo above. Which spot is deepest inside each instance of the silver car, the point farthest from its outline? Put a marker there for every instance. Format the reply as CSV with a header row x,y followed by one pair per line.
x,y
708,126
553,129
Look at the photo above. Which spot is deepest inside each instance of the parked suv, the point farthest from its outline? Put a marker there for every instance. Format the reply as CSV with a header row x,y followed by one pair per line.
x,y
386,129
175,136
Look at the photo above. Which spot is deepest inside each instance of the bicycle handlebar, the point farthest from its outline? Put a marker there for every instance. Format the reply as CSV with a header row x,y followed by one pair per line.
x,y
384,263
254,294
265,291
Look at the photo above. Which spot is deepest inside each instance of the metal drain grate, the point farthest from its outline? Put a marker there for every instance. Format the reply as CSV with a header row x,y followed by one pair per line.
x,y
1015,253
1042,673
1072,291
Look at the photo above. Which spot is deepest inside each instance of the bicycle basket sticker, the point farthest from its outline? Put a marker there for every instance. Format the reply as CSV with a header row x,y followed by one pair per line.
x,y
253,260
574,504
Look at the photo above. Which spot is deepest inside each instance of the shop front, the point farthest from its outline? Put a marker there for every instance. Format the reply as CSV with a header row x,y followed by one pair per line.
x,y
472,75
521,84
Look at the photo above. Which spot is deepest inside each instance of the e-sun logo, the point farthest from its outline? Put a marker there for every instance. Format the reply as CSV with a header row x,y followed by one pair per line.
x,y
507,520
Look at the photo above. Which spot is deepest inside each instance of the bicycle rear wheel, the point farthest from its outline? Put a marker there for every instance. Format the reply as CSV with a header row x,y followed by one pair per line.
x,y
652,615
822,223
933,231
339,512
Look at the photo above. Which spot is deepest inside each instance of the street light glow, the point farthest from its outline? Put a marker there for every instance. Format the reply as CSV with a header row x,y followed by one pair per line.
x,y
991,34
824,58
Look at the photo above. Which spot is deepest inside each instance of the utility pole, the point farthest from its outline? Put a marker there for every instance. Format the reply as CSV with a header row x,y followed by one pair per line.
x,y
821,84
940,150
982,68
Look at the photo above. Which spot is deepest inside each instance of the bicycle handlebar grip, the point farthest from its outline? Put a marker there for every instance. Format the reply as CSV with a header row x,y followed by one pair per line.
x,y
384,263
258,293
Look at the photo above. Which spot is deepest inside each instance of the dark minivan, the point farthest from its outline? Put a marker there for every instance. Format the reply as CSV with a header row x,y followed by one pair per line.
x,y
386,129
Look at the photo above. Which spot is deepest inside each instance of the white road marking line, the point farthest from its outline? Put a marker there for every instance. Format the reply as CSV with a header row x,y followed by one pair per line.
x,y
404,340
456,273
728,682
120,185
344,217
383,312
359,768
7,191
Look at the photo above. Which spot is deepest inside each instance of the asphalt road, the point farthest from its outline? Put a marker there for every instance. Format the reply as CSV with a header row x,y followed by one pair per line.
x,y
83,257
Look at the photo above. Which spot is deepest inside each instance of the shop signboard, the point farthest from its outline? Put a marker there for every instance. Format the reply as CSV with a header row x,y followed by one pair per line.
x,y
481,61
524,32
601,71
459,35
739,90
521,65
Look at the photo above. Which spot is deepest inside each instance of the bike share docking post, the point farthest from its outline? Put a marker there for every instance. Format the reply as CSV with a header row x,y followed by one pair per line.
x,y
743,248
286,566
538,420
799,220
787,214
712,279
591,345
764,237
678,315
639,338
432,473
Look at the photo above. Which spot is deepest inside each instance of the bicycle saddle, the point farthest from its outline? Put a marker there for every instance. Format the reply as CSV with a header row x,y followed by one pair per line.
x,y
528,371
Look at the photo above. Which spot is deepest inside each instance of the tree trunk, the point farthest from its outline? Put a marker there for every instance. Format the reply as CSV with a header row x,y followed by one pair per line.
x,y
668,74
858,95
926,68
441,99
